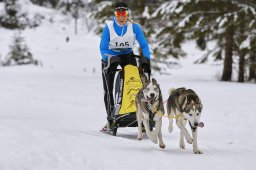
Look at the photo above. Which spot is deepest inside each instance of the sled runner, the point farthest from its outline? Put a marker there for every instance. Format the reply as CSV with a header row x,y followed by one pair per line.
x,y
127,83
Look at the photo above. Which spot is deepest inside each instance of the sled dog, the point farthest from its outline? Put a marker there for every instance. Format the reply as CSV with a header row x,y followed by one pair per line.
x,y
150,110
185,105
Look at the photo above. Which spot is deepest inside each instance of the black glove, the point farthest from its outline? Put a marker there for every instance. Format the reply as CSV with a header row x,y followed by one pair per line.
x,y
145,64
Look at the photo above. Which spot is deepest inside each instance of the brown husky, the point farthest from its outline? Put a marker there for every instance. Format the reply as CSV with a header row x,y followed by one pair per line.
x,y
185,105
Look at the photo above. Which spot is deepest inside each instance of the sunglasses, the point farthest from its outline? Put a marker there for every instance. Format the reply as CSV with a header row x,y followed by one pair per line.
x,y
121,13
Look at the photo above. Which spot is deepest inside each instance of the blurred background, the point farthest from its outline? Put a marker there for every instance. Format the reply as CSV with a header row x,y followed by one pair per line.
x,y
224,30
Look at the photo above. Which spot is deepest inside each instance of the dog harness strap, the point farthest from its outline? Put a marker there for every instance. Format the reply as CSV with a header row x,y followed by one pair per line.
x,y
151,114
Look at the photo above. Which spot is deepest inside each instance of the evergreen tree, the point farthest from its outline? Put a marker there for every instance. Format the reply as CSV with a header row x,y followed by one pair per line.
x,y
19,53
168,38
224,22
64,6
10,19
13,17
46,3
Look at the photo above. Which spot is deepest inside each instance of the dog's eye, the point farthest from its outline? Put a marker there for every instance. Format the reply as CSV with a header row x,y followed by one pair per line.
x,y
197,114
146,90
190,115
187,109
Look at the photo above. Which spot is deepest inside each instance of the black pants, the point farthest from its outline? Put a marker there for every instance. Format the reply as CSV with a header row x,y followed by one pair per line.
x,y
108,80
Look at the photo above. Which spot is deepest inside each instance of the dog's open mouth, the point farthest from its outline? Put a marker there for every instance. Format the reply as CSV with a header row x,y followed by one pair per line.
x,y
151,101
200,124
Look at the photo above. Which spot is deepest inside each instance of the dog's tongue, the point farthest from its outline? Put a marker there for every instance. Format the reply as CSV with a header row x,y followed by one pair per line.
x,y
201,124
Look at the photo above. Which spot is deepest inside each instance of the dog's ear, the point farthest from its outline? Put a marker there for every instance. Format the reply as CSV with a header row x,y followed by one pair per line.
x,y
154,81
144,80
197,101
184,103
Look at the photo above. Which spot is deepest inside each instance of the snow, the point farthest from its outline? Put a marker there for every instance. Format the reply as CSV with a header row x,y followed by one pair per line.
x,y
145,13
223,22
50,116
166,8
184,21
245,44
1,8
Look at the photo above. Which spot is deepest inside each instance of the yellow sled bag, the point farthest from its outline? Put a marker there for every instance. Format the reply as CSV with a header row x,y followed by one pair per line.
x,y
132,85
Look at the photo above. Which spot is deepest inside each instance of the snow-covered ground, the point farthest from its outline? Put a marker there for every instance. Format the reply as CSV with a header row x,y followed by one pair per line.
x,y
50,116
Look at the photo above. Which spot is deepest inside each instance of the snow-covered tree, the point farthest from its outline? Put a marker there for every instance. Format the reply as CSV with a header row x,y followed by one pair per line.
x,y
16,16
46,3
10,18
19,53
168,37
225,22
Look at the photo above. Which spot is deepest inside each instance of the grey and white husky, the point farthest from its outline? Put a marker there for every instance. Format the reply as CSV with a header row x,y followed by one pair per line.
x,y
185,105
150,108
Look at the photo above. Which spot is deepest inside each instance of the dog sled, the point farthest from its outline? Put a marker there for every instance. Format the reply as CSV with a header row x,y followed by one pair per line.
x,y
127,83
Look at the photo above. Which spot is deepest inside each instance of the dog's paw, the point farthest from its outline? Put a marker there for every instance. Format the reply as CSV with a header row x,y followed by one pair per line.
x,y
139,137
182,145
162,145
190,140
170,128
197,151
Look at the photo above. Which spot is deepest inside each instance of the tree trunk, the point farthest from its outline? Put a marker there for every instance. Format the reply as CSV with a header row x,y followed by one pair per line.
x,y
68,6
227,69
252,69
241,52
41,2
241,66
76,16
76,26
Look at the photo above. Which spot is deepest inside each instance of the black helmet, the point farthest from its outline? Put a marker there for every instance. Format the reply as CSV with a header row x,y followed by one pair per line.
x,y
121,6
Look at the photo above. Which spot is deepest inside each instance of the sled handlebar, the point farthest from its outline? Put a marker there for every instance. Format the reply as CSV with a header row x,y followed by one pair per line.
x,y
143,61
111,60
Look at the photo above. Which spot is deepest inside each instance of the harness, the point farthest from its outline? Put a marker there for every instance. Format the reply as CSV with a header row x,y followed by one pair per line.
x,y
155,111
151,113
